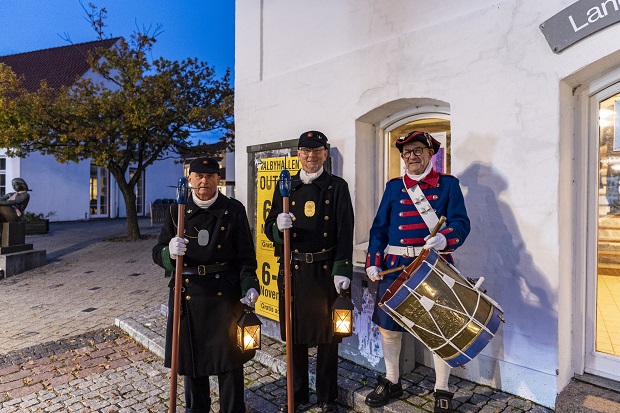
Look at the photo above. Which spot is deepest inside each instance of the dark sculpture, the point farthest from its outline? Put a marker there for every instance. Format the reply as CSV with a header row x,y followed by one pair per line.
x,y
13,205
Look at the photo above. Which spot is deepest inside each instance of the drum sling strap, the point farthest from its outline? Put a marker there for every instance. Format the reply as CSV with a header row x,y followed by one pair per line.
x,y
422,205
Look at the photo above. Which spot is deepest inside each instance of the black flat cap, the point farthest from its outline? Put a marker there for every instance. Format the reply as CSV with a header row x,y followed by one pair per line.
x,y
312,139
204,166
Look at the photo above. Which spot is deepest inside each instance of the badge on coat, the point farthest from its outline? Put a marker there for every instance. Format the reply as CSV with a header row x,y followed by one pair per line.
x,y
309,208
203,237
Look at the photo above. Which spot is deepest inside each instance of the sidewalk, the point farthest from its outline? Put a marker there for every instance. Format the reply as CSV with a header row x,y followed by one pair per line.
x,y
63,346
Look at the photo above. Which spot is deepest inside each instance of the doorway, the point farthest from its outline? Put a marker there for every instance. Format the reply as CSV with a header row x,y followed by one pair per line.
x,y
603,287
99,190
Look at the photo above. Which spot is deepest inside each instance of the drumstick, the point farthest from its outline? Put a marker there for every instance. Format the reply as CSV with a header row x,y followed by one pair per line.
x,y
415,263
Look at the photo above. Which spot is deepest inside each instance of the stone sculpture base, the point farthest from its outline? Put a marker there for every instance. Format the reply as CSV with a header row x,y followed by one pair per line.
x,y
15,255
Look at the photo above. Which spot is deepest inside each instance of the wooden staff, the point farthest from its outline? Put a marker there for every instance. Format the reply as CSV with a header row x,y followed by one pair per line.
x,y
182,192
417,260
285,191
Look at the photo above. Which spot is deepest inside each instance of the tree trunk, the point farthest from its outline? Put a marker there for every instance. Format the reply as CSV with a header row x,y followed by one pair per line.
x,y
133,229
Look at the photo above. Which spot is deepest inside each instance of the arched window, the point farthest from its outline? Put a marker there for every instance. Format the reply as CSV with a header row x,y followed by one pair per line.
x,y
437,124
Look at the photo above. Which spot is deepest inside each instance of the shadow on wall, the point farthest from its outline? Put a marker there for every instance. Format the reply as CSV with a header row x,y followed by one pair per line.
x,y
495,249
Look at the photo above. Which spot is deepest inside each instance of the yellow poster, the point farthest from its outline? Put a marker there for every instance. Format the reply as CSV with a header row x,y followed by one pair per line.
x,y
268,174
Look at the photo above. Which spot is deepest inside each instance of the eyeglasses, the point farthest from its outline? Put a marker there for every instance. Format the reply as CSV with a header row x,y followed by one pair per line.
x,y
308,151
415,151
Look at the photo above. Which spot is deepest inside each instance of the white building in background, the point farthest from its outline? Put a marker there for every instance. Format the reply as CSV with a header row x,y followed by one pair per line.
x,y
73,191
528,130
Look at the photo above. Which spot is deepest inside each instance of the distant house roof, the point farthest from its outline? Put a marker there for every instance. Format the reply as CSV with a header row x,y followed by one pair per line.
x,y
59,66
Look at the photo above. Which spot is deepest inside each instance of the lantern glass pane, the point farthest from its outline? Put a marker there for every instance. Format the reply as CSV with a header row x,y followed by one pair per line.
x,y
251,338
342,321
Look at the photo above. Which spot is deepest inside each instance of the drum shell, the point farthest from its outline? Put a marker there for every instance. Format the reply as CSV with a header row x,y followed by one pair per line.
x,y
441,308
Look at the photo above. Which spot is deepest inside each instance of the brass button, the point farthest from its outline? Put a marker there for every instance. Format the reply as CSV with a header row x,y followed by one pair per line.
x,y
325,234
296,266
217,276
326,218
219,293
219,246
187,281
222,228
226,212
293,203
187,297
296,250
294,235
327,201
325,267
185,264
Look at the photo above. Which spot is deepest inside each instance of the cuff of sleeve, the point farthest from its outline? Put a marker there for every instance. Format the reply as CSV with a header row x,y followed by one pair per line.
x,y
166,260
249,282
344,268
276,234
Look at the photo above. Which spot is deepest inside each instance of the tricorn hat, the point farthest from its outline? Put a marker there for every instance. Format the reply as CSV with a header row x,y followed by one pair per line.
x,y
417,136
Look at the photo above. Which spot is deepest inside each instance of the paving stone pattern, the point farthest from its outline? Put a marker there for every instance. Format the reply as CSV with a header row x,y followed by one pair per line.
x,y
84,333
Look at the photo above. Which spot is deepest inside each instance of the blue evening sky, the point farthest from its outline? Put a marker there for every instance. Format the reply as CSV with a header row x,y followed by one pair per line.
x,y
191,28
202,29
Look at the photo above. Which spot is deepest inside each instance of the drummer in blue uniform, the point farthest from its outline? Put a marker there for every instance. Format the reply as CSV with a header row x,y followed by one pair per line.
x,y
399,232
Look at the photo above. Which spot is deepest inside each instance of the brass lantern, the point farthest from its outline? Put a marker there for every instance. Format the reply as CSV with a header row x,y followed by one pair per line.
x,y
248,330
342,316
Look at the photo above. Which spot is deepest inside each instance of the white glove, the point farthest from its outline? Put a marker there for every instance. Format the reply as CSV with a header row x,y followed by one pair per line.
x,y
285,221
341,282
438,242
373,273
251,296
177,246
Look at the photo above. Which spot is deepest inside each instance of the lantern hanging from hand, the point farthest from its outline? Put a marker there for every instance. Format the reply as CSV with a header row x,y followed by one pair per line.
x,y
342,316
248,330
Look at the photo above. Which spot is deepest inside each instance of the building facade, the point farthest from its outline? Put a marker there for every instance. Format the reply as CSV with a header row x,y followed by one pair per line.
x,y
526,125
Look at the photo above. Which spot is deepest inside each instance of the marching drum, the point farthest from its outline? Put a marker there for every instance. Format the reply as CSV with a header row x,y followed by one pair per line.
x,y
440,307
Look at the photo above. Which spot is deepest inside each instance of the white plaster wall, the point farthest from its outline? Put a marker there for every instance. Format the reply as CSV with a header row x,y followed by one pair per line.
x,y
324,65
59,188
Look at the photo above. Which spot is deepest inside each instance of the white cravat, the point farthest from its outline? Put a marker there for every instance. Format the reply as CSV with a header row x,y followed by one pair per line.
x,y
307,178
204,204
418,178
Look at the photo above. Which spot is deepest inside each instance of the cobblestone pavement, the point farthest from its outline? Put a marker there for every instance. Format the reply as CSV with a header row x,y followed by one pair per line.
x,y
60,350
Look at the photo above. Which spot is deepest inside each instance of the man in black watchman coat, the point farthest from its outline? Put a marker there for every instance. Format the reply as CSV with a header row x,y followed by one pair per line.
x,y
321,229
219,271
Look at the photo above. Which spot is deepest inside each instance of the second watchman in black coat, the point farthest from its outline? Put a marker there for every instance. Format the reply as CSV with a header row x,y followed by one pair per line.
x,y
321,227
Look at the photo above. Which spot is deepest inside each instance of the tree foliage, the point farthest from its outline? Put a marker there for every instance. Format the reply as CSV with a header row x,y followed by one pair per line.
x,y
131,113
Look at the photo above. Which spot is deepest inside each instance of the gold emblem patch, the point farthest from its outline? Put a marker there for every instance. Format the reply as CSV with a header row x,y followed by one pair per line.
x,y
309,208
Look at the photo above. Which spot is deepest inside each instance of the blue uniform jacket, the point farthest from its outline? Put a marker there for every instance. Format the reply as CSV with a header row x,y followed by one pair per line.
x,y
398,223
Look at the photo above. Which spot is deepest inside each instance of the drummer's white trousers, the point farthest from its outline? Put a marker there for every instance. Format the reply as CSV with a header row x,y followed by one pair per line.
x,y
392,343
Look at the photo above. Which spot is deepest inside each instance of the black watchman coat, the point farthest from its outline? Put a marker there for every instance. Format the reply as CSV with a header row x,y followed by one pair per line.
x,y
323,220
210,303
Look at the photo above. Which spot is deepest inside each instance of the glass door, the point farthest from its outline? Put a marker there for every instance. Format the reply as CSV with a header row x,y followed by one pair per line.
x,y
603,288
98,191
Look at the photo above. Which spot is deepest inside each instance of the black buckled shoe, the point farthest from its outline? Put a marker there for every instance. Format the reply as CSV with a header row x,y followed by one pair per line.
x,y
330,407
384,392
443,401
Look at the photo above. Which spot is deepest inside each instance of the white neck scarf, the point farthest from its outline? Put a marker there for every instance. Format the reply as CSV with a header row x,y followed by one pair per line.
x,y
307,178
423,175
204,204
